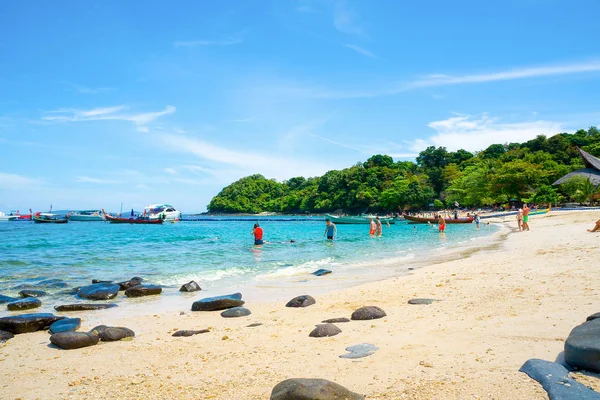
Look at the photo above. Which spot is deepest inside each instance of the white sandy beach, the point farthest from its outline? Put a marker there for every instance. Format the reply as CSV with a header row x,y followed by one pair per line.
x,y
499,307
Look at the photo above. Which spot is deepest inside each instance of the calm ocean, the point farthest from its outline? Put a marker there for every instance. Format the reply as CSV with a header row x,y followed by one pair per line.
x,y
220,256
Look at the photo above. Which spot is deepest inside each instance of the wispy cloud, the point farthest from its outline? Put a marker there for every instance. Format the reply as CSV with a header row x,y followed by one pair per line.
x,y
243,120
87,179
511,74
17,182
222,42
345,19
360,50
475,133
141,120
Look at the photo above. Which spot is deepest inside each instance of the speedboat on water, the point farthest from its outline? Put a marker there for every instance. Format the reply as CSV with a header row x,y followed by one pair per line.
x,y
5,218
87,215
49,218
166,212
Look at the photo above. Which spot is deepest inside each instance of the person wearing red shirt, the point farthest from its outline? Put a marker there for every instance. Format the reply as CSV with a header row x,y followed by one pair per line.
x,y
257,232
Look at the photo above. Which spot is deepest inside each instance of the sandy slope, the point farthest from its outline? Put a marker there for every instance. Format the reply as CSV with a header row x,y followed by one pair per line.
x,y
499,307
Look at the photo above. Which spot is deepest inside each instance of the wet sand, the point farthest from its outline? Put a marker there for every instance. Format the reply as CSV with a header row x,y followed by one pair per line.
x,y
499,307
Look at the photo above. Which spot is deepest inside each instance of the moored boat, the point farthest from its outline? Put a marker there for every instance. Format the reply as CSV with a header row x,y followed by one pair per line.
x,y
358,219
4,217
86,215
422,220
49,218
131,220
166,212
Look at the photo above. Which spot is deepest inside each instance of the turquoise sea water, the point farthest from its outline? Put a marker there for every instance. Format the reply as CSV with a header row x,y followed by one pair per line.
x,y
218,255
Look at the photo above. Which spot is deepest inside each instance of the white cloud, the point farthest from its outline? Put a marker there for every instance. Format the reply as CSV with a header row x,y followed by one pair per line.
x,y
107,113
360,50
476,133
17,182
344,19
195,43
171,171
87,179
510,74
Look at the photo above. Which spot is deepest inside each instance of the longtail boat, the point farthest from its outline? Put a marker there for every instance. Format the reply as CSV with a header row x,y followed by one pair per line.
x,y
423,220
132,220
360,219
49,218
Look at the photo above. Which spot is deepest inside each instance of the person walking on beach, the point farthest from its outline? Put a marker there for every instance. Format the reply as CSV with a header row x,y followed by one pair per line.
x,y
378,231
442,224
330,230
372,228
596,228
525,217
257,232
520,219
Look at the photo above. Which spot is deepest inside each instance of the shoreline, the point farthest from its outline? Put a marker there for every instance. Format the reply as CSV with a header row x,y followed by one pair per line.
x,y
499,307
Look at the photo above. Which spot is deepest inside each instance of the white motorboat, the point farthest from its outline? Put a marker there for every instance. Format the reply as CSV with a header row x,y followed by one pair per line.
x,y
5,218
166,212
87,215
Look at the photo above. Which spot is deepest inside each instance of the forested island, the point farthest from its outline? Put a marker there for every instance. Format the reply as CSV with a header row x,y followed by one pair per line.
x,y
494,176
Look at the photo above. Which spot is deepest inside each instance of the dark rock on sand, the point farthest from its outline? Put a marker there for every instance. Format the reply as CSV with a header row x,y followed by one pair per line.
x,y
555,380
189,333
236,312
191,286
301,301
143,290
135,281
94,281
7,299
73,340
65,325
360,351
4,336
72,291
335,320
366,313
421,301
593,316
24,304
26,323
218,302
99,291
582,347
254,325
312,389
325,330
32,293
52,284
112,333
83,307
321,272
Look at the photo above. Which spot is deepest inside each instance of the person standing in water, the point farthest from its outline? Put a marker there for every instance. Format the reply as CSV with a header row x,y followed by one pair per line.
x,y
257,232
442,224
477,220
378,231
372,228
525,217
330,230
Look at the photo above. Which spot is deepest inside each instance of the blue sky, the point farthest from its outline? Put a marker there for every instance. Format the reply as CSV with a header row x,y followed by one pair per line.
x,y
110,102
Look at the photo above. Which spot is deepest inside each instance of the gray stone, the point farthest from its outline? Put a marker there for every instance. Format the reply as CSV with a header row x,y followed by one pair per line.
x,y
593,316
191,286
312,389
24,304
4,336
189,333
555,380
218,302
65,325
335,320
421,301
582,347
254,325
83,307
301,301
73,340
321,272
72,291
360,351
99,291
235,312
325,330
366,313
7,299
94,281
143,290
111,333
135,281
26,323
32,293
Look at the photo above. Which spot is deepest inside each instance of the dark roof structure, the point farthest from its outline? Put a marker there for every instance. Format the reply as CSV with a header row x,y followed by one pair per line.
x,y
591,170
